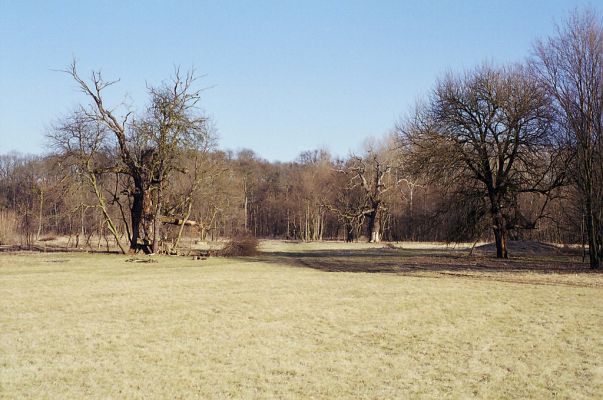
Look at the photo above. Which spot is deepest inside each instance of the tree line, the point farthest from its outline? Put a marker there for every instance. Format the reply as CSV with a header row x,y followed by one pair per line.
x,y
496,152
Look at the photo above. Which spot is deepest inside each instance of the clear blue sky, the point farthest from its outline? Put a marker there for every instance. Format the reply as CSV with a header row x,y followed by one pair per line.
x,y
282,76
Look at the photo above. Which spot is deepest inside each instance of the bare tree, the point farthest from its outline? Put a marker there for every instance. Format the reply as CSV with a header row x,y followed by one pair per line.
x,y
79,140
313,173
489,132
570,64
172,124
368,175
148,147
347,202
198,194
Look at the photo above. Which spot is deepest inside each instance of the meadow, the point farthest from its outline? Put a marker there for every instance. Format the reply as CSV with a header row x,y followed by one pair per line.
x,y
302,320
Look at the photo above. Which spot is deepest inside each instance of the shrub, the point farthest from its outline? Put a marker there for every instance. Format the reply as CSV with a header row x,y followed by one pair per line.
x,y
239,246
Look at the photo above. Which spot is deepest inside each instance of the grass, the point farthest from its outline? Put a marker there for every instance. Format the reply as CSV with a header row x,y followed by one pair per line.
x,y
94,326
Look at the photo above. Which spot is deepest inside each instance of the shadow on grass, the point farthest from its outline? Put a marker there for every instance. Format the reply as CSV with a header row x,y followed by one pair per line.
x,y
387,260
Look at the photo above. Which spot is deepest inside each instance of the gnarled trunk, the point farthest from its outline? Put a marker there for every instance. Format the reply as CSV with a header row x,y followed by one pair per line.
x,y
500,231
136,217
374,222
374,226
500,238
139,213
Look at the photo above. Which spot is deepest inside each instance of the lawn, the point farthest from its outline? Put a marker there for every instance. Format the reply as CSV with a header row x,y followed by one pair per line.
x,y
281,325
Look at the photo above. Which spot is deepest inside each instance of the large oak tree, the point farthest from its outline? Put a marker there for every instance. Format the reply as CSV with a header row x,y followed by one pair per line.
x,y
488,134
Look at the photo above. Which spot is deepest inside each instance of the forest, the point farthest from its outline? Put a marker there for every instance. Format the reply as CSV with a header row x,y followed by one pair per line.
x,y
492,153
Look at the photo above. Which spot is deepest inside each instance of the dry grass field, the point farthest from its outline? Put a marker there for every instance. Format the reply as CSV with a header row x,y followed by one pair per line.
x,y
430,324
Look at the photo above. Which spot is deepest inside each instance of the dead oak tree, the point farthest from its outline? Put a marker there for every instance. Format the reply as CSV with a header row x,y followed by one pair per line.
x,y
148,145
363,196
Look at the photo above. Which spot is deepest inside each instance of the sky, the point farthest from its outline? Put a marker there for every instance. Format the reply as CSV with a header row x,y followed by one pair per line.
x,y
278,77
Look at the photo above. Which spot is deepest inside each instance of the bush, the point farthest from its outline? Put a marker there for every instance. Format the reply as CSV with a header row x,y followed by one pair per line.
x,y
239,246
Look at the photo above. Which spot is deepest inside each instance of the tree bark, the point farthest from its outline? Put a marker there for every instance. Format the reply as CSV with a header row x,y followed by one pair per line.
x,y
500,238
41,214
374,225
137,217
245,204
156,222
500,233
349,232
593,245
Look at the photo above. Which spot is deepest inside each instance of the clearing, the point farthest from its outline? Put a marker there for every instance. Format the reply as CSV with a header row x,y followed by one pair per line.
x,y
432,323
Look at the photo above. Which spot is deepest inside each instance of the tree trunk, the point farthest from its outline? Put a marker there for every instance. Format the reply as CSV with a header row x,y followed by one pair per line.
x,y
322,226
156,223
349,232
591,229
374,225
137,216
306,233
246,212
499,225
500,233
41,214
500,237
